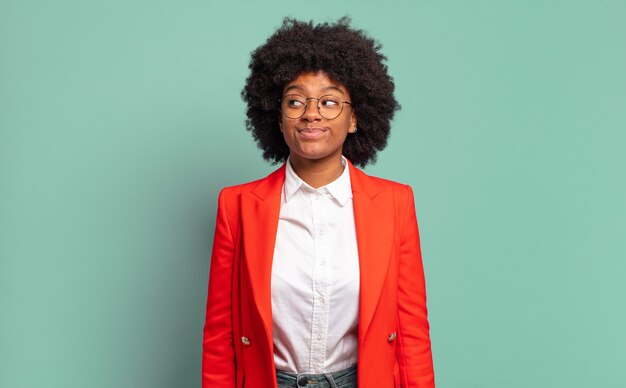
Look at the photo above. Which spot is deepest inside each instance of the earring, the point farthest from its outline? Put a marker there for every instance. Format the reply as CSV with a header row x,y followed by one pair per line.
x,y
355,129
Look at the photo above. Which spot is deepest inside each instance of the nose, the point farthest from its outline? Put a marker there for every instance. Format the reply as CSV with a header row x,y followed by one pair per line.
x,y
311,111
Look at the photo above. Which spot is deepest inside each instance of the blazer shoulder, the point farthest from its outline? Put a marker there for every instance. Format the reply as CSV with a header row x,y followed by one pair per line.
x,y
402,193
236,190
396,187
389,183
230,193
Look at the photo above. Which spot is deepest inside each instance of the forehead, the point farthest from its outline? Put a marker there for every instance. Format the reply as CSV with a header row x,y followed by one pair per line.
x,y
315,83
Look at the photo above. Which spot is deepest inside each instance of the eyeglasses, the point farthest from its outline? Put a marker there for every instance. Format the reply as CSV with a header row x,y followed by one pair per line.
x,y
329,106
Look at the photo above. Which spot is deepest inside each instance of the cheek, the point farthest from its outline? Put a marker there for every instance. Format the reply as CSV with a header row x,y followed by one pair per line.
x,y
285,126
347,124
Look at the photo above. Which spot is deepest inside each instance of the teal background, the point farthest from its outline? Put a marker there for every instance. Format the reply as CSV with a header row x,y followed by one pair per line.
x,y
121,120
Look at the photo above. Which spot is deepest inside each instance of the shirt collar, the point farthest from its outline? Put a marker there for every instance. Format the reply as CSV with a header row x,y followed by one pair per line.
x,y
340,188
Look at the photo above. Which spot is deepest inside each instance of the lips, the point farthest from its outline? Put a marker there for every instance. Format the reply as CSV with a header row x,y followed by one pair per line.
x,y
311,133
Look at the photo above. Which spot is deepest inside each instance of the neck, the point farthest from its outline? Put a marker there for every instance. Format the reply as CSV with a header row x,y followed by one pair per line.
x,y
317,173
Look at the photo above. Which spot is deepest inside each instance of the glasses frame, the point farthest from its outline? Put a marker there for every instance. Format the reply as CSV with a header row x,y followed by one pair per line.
x,y
306,105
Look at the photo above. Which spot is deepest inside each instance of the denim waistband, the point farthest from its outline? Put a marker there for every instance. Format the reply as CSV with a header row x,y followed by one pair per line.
x,y
345,378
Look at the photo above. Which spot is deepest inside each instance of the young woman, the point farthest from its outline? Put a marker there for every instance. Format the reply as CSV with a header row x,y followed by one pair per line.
x,y
316,272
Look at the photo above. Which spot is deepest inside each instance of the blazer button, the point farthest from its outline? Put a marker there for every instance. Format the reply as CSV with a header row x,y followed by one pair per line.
x,y
245,341
392,336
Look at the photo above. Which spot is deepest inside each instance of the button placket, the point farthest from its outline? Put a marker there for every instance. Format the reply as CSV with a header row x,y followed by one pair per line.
x,y
321,280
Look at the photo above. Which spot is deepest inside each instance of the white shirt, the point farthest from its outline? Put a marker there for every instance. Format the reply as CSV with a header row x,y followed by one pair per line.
x,y
315,277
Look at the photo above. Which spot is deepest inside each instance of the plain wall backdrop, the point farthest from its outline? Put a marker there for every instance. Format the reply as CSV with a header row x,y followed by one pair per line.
x,y
120,121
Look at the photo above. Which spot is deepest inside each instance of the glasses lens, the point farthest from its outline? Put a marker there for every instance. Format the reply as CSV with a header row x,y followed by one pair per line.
x,y
293,106
330,106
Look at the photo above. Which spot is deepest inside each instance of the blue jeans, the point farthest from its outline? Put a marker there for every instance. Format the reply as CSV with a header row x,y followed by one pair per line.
x,y
345,378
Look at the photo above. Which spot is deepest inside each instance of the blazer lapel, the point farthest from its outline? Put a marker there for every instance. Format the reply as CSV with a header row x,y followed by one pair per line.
x,y
260,209
374,223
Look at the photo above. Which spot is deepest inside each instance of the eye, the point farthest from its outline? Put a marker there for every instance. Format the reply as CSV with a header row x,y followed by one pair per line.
x,y
293,101
330,101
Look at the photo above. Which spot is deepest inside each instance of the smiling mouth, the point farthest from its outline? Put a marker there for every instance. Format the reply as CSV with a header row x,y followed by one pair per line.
x,y
311,133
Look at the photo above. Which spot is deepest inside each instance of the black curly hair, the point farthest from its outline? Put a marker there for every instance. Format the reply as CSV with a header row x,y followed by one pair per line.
x,y
346,55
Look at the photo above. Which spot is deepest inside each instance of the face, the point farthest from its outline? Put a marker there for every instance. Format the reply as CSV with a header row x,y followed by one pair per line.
x,y
313,137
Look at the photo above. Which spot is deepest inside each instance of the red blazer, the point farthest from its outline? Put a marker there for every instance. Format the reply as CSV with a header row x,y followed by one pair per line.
x,y
394,341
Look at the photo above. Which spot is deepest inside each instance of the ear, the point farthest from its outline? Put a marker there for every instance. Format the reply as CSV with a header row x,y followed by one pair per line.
x,y
353,121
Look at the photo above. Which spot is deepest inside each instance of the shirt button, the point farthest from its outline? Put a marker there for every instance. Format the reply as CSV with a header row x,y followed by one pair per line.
x,y
245,341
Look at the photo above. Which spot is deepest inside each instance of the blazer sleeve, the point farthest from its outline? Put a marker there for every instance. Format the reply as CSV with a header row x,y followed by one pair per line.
x,y
218,365
413,350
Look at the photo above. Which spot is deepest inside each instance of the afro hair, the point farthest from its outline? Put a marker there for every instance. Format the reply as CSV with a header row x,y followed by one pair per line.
x,y
346,55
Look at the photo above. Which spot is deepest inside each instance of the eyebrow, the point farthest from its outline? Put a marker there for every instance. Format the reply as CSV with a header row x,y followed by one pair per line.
x,y
325,88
